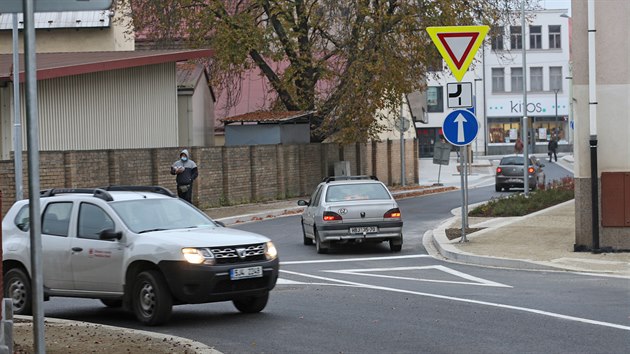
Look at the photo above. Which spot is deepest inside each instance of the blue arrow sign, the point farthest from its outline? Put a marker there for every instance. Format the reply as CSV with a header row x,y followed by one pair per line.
x,y
460,127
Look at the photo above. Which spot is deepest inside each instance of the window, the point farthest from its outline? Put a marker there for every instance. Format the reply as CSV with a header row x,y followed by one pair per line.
x,y
435,99
56,219
516,41
554,37
535,37
555,78
363,191
517,79
22,220
92,221
536,78
496,38
498,80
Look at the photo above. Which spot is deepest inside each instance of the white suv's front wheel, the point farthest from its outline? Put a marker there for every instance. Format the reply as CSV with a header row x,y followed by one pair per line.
x,y
251,304
17,286
151,299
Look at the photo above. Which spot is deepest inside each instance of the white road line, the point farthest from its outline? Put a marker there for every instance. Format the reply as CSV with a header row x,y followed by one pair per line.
x,y
476,302
472,279
354,259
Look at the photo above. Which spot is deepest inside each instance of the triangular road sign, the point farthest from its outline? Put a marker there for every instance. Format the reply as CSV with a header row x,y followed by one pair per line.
x,y
458,45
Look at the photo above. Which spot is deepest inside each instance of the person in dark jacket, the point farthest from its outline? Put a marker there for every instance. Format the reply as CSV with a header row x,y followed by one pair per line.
x,y
186,171
553,148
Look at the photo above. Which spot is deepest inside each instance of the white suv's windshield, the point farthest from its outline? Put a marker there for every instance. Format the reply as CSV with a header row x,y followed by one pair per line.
x,y
145,215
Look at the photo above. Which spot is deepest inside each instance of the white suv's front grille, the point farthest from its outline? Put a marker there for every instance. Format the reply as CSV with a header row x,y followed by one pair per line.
x,y
237,254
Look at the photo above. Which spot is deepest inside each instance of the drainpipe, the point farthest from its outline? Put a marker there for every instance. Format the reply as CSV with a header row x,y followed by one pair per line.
x,y
592,109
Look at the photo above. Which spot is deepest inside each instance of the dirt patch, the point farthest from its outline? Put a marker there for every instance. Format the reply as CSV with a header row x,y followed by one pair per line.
x,y
70,338
454,233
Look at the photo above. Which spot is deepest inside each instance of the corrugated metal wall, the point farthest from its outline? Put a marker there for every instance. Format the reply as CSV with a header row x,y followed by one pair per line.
x,y
117,109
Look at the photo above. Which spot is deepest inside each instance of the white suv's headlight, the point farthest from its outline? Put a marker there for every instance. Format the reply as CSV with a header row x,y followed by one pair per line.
x,y
270,251
198,255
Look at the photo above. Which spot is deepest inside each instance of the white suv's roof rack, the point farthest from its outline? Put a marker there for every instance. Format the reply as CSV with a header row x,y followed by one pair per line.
x,y
103,192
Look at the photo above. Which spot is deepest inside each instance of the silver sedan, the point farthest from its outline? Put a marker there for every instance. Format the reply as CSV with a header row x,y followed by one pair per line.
x,y
351,209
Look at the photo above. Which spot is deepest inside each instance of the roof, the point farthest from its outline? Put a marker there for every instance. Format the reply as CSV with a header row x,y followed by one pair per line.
x,y
54,65
269,117
66,19
189,74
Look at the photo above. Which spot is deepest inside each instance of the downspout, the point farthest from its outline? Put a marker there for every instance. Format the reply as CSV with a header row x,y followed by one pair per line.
x,y
592,109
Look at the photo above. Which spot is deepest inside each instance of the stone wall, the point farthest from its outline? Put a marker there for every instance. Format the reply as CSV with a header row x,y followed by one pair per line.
x,y
227,175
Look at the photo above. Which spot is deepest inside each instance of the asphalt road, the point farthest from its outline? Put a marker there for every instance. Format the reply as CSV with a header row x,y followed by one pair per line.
x,y
368,300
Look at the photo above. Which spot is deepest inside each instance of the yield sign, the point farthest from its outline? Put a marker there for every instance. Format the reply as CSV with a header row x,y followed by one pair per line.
x,y
458,45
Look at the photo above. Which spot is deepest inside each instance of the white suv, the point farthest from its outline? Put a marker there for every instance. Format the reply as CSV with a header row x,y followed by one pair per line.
x,y
137,247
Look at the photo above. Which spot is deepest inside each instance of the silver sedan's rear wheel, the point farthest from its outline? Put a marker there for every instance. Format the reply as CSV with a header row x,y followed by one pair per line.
x,y
395,245
322,247
307,241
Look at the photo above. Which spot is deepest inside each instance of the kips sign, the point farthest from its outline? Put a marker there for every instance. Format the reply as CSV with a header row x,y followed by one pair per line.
x,y
513,107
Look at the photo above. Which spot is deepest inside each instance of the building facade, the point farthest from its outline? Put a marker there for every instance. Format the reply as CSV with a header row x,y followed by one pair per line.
x,y
602,119
497,83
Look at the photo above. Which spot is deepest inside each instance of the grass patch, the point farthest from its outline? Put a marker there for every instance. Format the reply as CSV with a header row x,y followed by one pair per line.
x,y
519,205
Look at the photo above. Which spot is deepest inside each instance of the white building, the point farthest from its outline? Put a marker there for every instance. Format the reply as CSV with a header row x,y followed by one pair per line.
x,y
497,83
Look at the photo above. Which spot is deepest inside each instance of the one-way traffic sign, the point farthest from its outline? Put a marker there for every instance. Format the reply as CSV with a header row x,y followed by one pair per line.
x,y
460,127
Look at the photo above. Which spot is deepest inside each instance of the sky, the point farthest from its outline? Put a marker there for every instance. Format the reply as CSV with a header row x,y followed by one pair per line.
x,y
556,4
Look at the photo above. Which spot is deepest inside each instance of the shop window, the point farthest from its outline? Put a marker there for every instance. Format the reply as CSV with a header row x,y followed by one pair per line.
x,y
435,99
503,132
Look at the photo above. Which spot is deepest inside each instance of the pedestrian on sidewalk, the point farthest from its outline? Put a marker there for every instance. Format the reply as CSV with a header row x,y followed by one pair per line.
x,y
518,146
552,148
186,171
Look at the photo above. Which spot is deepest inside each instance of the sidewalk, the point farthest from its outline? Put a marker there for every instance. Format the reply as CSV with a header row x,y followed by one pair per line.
x,y
542,240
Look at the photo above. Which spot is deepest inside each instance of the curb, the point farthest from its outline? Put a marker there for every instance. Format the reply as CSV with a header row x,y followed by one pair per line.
x,y
198,347
437,238
252,217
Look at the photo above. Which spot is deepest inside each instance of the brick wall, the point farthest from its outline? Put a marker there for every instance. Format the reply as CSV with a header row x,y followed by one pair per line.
x,y
227,175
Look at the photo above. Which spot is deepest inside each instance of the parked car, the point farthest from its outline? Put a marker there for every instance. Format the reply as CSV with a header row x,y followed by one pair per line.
x,y
509,173
351,209
141,248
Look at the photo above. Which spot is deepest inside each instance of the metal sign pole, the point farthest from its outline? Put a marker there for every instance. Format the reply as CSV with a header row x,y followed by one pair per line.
x,y
466,185
462,151
33,177
17,120
402,146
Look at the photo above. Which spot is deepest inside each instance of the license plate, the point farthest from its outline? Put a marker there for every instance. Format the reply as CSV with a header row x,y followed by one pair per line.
x,y
515,180
245,273
366,229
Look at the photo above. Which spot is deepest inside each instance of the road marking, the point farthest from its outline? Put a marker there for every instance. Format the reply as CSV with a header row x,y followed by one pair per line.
x,y
472,279
354,259
476,302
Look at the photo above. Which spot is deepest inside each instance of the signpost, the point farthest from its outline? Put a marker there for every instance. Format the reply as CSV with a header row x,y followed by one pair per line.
x,y
458,46
441,156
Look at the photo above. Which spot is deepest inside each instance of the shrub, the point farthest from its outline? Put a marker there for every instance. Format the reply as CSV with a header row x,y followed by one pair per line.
x,y
554,193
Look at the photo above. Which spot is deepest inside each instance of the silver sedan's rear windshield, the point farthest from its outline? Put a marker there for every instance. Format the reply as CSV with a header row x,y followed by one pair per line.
x,y
145,215
360,191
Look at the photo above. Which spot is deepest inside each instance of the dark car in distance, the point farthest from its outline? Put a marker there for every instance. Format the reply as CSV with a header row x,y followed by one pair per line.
x,y
509,173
